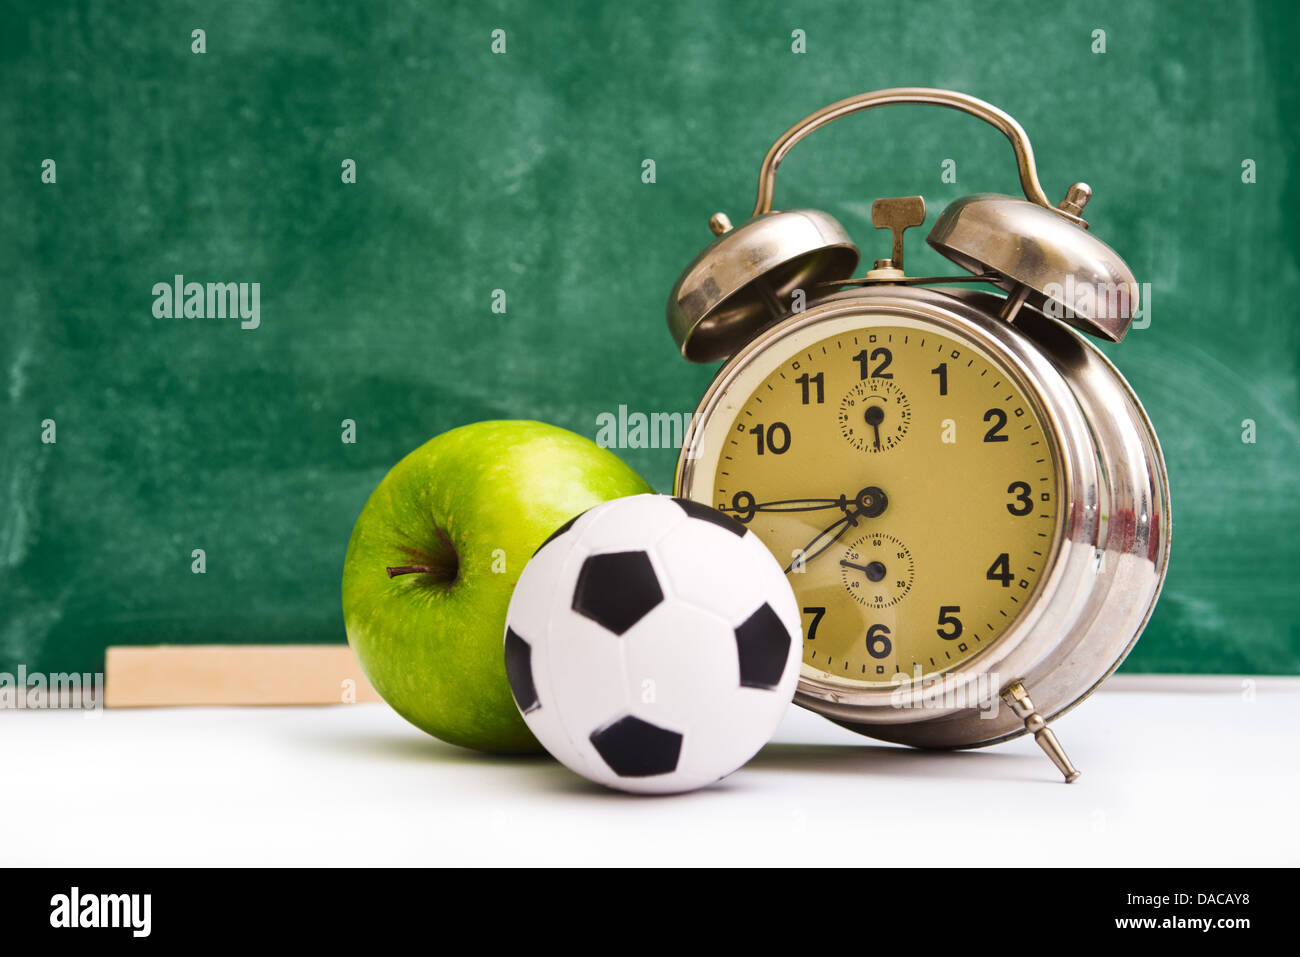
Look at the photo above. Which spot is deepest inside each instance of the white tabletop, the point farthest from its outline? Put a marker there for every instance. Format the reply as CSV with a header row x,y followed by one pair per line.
x,y
1175,772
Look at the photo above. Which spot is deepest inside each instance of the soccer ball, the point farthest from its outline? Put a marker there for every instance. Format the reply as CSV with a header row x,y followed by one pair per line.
x,y
653,644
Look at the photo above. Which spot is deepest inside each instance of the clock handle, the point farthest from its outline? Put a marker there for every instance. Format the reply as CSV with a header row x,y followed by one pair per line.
x,y
914,94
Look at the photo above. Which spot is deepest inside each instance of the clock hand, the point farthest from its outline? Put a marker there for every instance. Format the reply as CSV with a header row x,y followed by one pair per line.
x,y
798,505
870,500
874,572
874,416
787,505
831,534
868,503
794,505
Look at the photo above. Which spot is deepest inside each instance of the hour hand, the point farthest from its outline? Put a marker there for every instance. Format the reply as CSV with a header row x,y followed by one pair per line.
x,y
795,505
842,502
870,502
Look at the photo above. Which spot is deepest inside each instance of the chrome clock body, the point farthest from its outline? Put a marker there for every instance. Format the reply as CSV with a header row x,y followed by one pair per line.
x,y
765,291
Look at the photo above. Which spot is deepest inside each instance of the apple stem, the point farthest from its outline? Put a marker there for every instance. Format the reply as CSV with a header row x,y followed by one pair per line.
x,y
394,571
438,560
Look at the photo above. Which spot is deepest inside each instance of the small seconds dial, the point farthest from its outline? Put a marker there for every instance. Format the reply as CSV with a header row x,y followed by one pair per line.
x,y
874,415
877,570
904,479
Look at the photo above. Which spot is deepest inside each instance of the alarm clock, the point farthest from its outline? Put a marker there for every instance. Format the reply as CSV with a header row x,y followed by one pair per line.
x,y
967,497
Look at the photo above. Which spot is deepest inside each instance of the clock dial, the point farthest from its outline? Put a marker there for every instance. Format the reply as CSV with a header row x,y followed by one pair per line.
x,y
907,483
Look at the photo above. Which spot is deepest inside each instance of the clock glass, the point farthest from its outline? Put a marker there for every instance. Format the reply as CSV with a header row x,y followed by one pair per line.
x,y
907,483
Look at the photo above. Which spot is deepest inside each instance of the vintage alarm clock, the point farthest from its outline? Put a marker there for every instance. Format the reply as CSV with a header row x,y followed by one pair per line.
x,y
968,498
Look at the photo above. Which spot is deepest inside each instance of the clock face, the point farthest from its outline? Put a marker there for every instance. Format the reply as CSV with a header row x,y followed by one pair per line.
x,y
903,479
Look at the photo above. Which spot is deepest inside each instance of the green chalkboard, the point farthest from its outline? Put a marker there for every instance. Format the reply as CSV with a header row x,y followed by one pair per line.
x,y
522,171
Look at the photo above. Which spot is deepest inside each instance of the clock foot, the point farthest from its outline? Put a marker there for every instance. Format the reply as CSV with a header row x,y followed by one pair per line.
x,y
1017,697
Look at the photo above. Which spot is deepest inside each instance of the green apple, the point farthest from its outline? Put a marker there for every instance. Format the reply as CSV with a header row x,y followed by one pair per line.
x,y
434,558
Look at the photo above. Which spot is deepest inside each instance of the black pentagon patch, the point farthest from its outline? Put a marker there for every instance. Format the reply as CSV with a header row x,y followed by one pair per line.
x,y
707,513
519,672
763,645
637,749
560,531
617,589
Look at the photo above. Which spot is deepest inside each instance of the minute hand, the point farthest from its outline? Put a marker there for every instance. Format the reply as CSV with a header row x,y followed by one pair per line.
x,y
825,539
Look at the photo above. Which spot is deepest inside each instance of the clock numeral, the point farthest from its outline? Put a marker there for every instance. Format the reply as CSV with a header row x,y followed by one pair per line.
x,y
878,643
818,612
776,439
948,617
941,370
1000,570
999,420
1021,491
743,506
881,355
807,381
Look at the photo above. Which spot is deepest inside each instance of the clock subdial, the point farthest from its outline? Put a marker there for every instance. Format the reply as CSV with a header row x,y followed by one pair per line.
x,y
877,570
874,415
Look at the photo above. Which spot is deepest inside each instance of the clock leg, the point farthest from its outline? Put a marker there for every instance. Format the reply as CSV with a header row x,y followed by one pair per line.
x,y
1017,697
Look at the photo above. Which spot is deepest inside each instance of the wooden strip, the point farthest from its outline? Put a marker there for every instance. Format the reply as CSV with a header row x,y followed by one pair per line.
x,y
197,675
